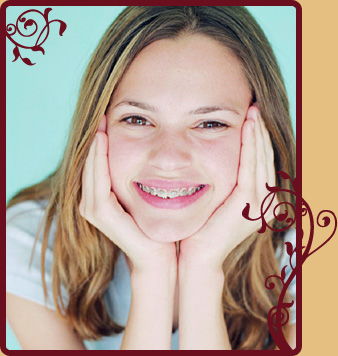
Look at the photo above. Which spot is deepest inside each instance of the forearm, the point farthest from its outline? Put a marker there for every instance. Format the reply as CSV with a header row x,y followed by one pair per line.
x,y
201,319
149,325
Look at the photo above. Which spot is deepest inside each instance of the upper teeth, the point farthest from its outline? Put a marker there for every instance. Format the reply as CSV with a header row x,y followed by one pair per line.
x,y
171,193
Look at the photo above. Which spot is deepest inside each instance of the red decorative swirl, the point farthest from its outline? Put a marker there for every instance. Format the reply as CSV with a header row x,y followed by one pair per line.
x,y
12,29
278,316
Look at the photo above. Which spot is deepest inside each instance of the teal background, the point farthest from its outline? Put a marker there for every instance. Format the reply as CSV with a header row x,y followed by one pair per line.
x,y
40,99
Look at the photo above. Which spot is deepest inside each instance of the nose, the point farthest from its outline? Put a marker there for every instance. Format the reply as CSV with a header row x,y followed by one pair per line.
x,y
170,152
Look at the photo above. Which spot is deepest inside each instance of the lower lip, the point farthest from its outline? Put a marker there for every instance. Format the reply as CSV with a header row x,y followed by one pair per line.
x,y
174,203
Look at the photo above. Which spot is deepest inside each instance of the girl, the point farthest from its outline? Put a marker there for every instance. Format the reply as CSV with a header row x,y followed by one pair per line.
x,y
181,120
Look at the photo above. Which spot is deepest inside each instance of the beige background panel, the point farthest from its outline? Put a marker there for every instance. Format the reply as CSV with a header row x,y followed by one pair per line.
x,y
320,148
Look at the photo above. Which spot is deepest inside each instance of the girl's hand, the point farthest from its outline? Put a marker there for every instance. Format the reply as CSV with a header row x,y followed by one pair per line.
x,y
227,228
101,208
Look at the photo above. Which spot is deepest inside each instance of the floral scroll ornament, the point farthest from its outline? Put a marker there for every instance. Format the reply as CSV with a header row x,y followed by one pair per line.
x,y
29,28
278,316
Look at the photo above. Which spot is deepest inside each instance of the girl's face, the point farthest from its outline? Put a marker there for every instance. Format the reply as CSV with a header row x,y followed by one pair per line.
x,y
174,125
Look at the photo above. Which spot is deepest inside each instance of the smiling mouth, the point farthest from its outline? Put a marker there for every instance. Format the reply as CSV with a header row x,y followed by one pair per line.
x,y
171,193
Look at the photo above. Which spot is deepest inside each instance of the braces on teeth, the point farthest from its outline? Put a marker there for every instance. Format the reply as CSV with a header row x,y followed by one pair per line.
x,y
173,193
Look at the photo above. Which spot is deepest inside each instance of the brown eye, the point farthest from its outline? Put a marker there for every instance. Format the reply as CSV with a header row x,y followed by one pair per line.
x,y
137,120
212,125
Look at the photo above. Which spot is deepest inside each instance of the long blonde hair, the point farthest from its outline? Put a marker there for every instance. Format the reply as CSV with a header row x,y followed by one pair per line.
x,y
246,300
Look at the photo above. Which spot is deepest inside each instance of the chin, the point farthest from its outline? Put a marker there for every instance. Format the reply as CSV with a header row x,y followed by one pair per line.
x,y
167,232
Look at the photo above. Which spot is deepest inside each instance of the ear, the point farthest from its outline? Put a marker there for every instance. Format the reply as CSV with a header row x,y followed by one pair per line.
x,y
103,124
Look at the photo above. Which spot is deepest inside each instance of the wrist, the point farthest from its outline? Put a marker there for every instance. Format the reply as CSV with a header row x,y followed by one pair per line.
x,y
201,315
163,262
193,264
150,319
193,254
156,272
191,273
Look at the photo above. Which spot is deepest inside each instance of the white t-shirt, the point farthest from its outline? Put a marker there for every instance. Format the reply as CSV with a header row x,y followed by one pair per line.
x,y
23,221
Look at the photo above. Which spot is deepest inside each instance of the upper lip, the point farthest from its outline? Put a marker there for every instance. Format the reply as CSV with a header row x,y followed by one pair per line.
x,y
168,184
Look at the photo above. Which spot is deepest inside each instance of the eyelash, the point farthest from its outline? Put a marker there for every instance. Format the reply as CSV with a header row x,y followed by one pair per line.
x,y
137,118
145,122
220,125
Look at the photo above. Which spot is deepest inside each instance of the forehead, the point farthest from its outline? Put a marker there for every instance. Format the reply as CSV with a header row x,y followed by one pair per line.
x,y
188,68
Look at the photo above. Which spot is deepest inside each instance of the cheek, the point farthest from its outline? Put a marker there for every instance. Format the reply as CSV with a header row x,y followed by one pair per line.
x,y
124,157
127,158
221,159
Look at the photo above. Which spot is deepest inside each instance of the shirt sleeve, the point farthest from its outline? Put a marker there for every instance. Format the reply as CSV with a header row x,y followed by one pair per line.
x,y
22,278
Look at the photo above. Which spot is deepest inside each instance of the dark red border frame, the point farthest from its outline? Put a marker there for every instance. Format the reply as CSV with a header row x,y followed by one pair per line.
x,y
160,3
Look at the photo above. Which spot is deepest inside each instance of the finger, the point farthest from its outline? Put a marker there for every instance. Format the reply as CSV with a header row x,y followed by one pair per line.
x,y
247,166
269,155
87,198
262,169
88,179
271,169
102,185
268,150
103,124
269,166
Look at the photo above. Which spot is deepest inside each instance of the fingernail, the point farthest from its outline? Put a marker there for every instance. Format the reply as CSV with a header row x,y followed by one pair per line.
x,y
253,125
95,139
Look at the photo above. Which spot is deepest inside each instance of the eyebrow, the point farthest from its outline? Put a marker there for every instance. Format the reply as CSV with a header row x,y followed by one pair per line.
x,y
137,104
209,109
199,111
